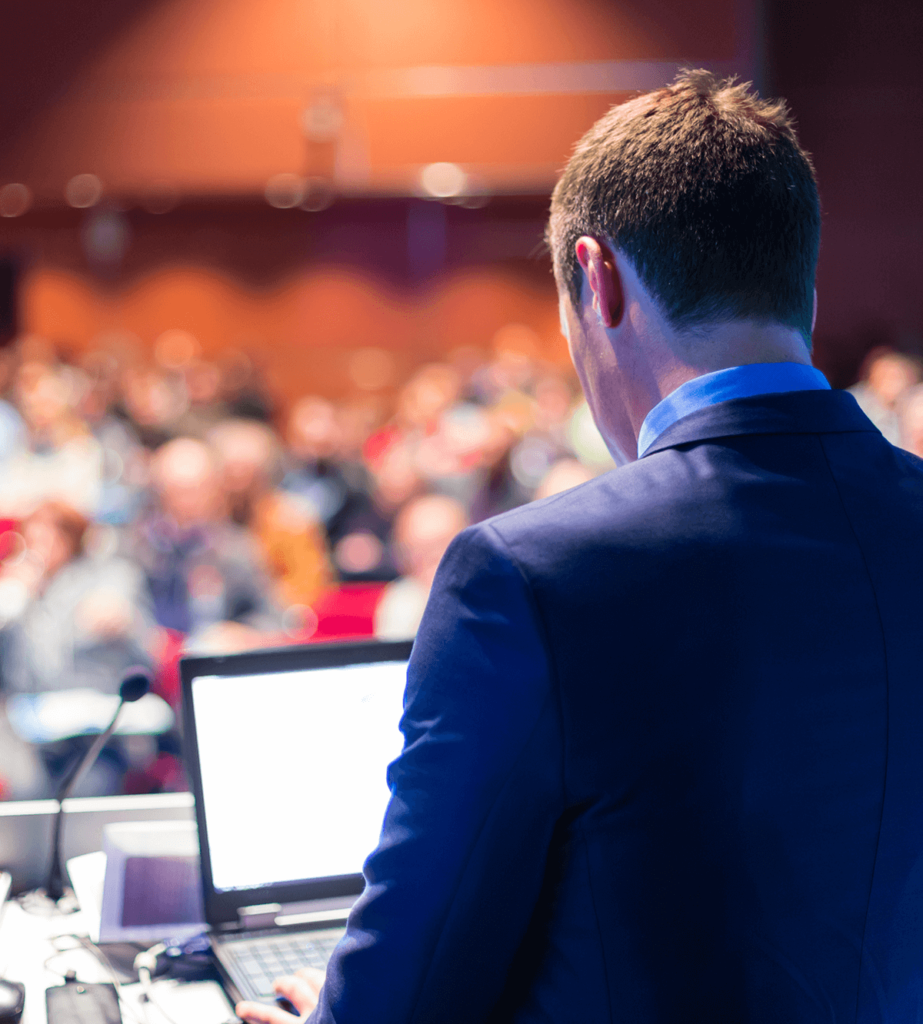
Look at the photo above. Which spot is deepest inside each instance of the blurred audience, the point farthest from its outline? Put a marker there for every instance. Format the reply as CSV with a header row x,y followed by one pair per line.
x,y
423,530
60,457
203,570
69,618
910,419
287,532
12,428
162,504
329,479
884,377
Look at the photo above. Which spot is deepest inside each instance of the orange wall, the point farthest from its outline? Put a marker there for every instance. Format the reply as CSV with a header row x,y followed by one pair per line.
x,y
306,329
303,292
208,94
204,98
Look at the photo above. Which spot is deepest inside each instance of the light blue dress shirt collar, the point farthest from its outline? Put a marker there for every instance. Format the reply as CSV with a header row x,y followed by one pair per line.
x,y
724,385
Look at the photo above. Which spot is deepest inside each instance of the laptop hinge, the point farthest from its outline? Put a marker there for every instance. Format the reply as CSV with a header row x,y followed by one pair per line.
x,y
262,916
269,915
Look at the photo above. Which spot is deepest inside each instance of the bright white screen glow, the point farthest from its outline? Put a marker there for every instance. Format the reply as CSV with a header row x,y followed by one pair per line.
x,y
294,769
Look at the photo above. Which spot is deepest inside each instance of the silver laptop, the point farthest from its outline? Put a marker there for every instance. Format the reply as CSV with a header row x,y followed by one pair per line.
x,y
287,752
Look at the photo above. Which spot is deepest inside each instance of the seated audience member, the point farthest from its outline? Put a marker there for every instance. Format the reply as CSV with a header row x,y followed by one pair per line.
x,y
884,377
243,390
423,530
124,467
250,458
61,459
334,486
202,569
12,427
152,401
205,408
67,618
363,552
499,490
511,368
911,421
545,439
22,775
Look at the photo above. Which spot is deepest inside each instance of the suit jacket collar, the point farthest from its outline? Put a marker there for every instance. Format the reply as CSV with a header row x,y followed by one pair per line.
x,y
794,412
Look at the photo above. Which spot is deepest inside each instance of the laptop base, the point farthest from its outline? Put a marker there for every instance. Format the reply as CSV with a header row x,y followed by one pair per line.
x,y
250,961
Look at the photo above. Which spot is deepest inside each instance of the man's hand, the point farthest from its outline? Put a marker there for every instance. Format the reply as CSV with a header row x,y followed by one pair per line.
x,y
301,990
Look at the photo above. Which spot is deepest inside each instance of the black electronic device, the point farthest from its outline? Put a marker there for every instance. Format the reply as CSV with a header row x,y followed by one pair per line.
x,y
12,1000
134,686
78,1002
260,728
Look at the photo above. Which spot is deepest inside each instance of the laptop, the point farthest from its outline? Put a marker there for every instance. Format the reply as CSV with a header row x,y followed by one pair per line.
x,y
287,752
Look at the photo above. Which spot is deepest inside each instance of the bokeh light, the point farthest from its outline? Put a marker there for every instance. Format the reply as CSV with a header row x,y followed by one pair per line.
x,y
443,180
283,191
15,200
83,190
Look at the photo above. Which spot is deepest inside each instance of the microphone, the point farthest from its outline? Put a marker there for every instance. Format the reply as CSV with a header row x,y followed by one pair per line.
x,y
134,686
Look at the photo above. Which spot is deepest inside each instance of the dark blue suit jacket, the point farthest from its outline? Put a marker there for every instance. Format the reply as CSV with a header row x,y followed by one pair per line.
x,y
664,746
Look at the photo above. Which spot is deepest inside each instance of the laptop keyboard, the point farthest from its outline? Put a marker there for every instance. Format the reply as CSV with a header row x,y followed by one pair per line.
x,y
260,959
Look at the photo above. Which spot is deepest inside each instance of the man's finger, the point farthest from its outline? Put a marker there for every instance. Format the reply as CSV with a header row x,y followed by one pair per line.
x,y
301,989
261,1013
312,976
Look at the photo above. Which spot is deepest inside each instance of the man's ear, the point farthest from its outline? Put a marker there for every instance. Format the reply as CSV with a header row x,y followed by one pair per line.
x,y
814,312
602,274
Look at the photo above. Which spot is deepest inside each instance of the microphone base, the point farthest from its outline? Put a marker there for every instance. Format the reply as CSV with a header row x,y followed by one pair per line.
x,y
41,904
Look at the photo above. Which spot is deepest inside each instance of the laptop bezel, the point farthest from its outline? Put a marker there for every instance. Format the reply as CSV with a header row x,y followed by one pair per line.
x,y
221,908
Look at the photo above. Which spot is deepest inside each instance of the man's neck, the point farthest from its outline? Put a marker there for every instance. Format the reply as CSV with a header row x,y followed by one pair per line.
x,y
687,355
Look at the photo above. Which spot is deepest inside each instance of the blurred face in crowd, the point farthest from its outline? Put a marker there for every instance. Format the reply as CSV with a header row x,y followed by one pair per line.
x,y
553,400
890,375
53,537
150,398
313,429
356,421
396,478
203,382
911,420
428,394
424,529
185,476
248,453
43,398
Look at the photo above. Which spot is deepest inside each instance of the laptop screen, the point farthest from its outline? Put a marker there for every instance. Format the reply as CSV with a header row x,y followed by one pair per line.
x,y
293,769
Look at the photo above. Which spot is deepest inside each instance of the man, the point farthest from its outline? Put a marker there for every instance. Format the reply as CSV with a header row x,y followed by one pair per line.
x,y
204,572
423,530
885,377
663,758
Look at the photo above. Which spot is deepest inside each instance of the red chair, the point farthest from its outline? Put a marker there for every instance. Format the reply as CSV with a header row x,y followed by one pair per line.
x,y
347,613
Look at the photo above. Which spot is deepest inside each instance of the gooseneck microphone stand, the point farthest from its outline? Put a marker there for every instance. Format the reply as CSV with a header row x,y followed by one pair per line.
x,y
134,686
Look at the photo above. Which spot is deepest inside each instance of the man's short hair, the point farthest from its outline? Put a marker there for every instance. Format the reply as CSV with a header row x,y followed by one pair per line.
x,y
704,188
